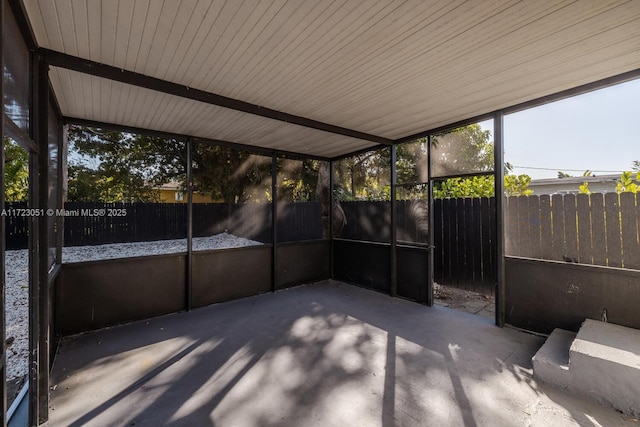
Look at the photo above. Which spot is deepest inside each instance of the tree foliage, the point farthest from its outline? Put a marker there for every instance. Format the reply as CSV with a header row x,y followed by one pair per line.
x,y
297,180
467,149
116,166
364,176
107,166
475,186
628,182
16,172
517,185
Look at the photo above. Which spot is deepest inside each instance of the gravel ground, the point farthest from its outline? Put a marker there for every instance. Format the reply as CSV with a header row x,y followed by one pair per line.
x,y
459,299
17,291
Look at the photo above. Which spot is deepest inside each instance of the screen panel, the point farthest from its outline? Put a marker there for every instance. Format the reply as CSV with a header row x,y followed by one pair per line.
x,y
464,150
16,60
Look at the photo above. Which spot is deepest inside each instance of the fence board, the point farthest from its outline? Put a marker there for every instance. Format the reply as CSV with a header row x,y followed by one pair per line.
x,y
534,226
630,246
476,247
570,228
447,238
461,266
486,234
524,227
557,222
493,215
612,224
468,271
598,230
452,245
546,225
585,252
438,259
512,237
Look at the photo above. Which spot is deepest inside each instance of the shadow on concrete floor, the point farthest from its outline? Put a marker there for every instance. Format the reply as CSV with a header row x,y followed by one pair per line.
x,y
327,354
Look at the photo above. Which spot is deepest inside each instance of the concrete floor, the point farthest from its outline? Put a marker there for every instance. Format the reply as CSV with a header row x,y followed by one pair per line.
x,y
327,354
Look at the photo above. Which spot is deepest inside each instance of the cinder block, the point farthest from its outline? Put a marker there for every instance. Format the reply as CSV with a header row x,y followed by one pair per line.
x,y
551,362
605,365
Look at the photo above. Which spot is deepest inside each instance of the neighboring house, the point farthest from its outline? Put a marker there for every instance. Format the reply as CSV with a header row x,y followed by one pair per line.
x,y
571,185
172,192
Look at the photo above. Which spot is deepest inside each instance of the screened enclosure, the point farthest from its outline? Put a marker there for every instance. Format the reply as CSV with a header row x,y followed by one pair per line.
x,y
144,175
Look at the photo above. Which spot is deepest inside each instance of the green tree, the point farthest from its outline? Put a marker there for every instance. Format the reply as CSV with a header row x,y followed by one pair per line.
x,y
364,176
116,166
229,175
467,149
584,188
16,172
476,186
628,183
297,179
517,185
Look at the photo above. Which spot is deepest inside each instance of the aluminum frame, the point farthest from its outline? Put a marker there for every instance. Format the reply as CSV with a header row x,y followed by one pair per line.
x,y
3,360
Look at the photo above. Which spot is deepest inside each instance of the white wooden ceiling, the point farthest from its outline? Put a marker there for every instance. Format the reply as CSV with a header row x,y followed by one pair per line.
x,y
383,67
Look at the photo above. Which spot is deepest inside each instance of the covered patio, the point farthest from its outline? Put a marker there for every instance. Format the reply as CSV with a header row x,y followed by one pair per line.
x,y
325,354
326,315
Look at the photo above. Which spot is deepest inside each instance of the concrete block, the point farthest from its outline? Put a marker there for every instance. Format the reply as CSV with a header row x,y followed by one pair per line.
x,y
551,362
605,365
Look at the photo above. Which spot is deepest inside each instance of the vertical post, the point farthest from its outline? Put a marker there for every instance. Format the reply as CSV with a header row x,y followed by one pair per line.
x,y
42,141
498,123
332,202
188,268
392,231
34,331
430,261
3,361
34,242
62,164
274,220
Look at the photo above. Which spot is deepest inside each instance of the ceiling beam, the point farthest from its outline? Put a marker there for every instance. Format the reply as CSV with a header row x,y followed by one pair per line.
x,y
98,69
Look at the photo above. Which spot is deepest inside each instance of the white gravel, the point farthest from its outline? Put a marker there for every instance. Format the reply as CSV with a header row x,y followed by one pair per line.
x,y
17,274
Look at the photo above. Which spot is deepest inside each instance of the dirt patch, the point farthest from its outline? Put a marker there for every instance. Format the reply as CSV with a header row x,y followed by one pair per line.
x,y
459,299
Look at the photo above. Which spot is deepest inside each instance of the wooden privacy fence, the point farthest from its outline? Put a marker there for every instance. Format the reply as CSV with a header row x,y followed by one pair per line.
x,y
598,229
465,243
100,223
464,236
464,229
89,223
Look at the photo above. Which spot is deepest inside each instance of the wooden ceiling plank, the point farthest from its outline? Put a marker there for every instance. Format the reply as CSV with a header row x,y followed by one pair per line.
x,y
214,30
167,29
458,75
248,44
181,30
61,36
234,33
402,80
200,24
134,41
335,33
123,32
279,34
109,27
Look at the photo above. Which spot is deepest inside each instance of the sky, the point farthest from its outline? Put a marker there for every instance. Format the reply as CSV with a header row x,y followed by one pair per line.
x,y
597,131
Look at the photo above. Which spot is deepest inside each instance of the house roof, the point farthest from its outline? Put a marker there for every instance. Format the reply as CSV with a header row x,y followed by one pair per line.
x,y
577,180
323,78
